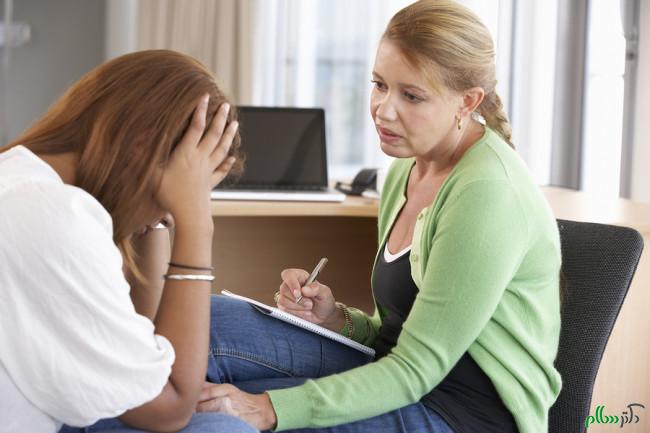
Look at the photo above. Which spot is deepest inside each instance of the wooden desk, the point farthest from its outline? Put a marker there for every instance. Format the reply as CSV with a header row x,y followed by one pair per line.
x,y
254,241
351,207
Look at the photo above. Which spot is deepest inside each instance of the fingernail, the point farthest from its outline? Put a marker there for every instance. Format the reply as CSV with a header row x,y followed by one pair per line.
x,y
235,125
226,108
206,99
296,293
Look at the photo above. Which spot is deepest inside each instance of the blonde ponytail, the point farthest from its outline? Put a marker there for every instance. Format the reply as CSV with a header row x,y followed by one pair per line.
x,y
495,116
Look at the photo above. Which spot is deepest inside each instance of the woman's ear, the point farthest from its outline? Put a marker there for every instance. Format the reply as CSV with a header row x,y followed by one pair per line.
x,y
472,98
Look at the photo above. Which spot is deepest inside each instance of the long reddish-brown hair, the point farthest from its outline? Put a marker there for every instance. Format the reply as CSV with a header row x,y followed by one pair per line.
x,y
122,120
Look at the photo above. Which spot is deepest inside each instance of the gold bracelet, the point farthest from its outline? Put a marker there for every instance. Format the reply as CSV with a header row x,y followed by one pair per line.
x,y
348,319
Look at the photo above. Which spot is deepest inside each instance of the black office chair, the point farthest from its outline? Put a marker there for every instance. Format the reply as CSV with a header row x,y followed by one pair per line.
x,y
598,263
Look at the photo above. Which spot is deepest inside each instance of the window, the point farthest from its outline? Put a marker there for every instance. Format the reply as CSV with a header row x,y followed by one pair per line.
x,y
604,92
319,53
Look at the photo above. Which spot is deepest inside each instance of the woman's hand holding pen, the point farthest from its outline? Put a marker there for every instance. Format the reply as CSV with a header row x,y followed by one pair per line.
x,y
317,304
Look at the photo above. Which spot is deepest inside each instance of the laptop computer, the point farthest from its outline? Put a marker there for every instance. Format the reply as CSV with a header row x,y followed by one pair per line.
x,y
286,157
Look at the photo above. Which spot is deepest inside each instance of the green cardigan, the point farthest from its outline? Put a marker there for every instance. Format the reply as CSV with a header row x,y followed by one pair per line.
x,y
486,259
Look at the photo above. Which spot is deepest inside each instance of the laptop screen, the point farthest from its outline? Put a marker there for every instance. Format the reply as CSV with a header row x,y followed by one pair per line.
x,y
284,147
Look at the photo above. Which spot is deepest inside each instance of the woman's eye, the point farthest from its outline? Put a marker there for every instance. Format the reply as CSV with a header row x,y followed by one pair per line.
x,y
378,84
411,97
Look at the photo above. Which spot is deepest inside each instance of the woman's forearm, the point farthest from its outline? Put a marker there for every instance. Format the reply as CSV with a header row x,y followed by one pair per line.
x,y
183,317
184,313
153,251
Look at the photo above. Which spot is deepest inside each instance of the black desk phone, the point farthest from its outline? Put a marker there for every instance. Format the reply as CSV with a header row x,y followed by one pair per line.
x,y
365,179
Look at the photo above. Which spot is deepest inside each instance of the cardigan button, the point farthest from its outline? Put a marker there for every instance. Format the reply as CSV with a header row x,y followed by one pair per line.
x,y
420,216
414,257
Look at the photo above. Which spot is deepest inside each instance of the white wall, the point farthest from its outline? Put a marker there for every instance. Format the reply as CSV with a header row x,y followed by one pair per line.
x,y
67,40
641,152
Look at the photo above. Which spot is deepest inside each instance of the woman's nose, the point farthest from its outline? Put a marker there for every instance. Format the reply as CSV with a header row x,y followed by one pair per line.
x,y
386,109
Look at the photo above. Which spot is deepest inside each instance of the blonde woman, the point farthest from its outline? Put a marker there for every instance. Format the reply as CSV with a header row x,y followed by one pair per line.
x,y
465,281
87,329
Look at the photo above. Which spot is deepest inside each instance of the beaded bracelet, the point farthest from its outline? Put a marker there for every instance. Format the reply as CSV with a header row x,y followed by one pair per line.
x,y
348,319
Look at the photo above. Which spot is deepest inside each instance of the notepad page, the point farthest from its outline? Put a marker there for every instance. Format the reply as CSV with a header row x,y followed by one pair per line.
x,y
302,323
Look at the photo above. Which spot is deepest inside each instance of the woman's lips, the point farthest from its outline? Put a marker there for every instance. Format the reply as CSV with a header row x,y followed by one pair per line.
x,y
387,136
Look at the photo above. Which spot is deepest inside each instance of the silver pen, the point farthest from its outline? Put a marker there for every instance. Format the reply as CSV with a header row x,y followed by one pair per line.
x,y
319,267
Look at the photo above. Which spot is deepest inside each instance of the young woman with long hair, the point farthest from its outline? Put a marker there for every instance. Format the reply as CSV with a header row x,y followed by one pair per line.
x,y
89,328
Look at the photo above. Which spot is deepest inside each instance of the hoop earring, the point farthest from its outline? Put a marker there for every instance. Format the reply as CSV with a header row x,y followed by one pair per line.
x,y
459,122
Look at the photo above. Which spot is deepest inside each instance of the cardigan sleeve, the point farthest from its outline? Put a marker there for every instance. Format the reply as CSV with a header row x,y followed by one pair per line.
x,y
479,240
365,326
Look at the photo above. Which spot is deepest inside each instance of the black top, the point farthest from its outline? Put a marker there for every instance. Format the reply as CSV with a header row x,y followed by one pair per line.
x,y
466,398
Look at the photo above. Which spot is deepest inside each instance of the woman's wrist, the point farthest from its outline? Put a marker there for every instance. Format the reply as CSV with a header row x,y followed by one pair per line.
x,y
336,321
348,327
270,419
197,225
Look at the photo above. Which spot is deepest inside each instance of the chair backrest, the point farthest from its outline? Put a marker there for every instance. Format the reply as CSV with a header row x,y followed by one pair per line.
x,y
598,263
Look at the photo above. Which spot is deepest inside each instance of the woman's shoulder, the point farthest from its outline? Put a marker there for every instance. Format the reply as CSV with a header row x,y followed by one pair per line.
x,y
490,158
47,223
37,199
18,163
489,162
494,178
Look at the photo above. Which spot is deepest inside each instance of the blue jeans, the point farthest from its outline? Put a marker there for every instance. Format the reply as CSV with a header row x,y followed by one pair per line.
x,y
200,423
258,353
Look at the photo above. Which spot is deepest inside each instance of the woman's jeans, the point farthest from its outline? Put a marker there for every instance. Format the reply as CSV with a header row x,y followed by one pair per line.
x,y
257,353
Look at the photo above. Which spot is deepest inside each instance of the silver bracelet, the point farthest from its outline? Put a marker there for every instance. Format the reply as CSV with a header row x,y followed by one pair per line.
x,y
188,277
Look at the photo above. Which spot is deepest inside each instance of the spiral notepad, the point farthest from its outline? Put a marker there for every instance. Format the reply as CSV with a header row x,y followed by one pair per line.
x,y
302,323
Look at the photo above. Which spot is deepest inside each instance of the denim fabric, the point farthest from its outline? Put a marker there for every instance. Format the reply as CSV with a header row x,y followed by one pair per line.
x,y
200,423
257,353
